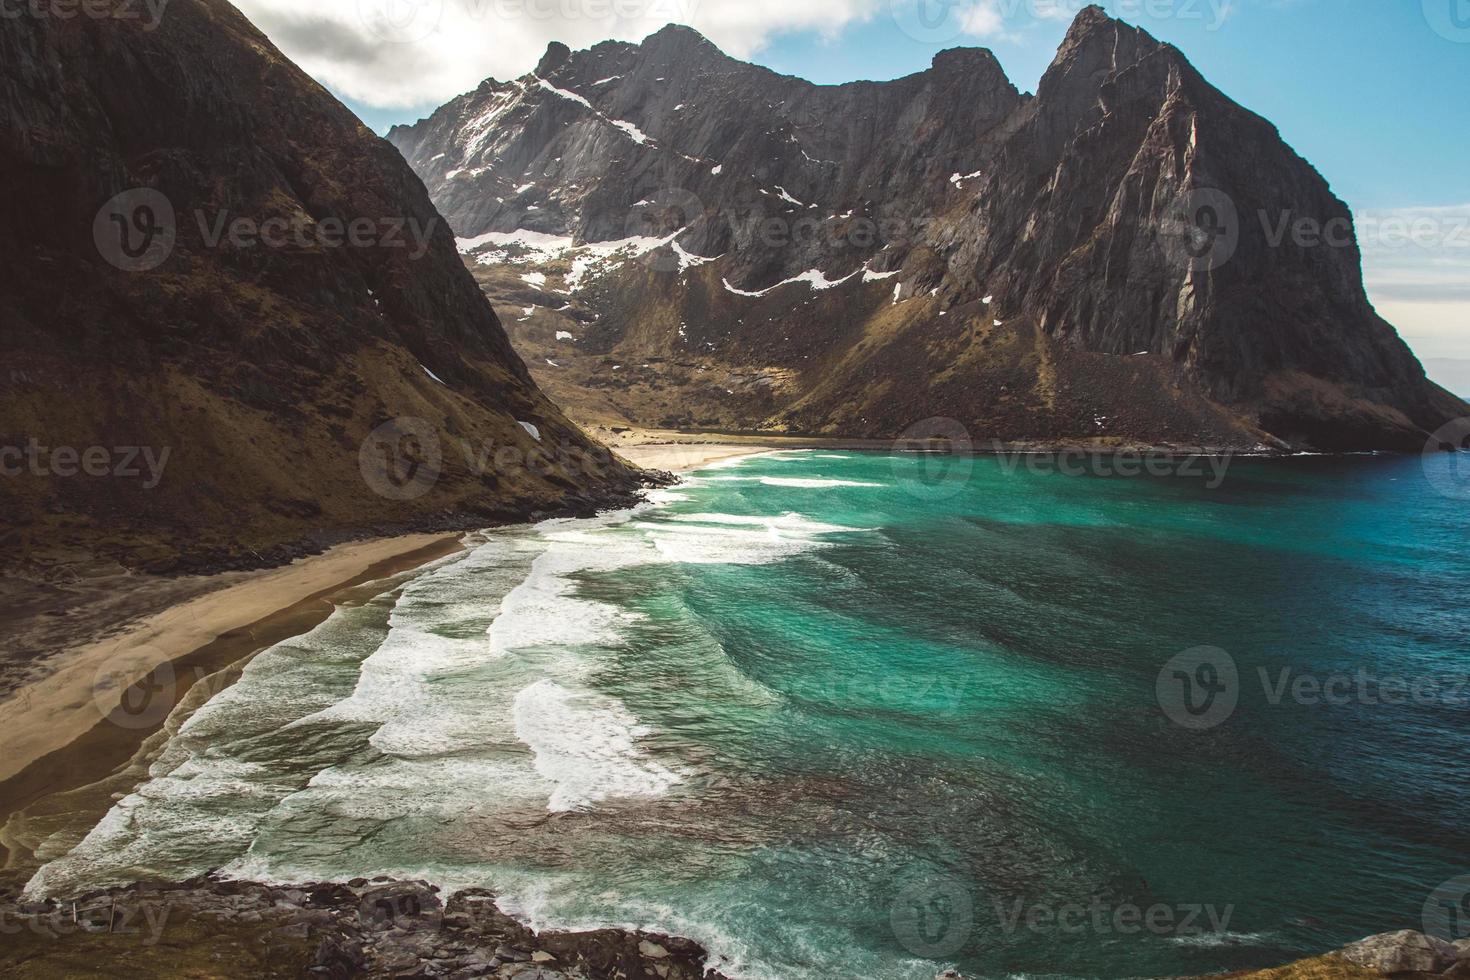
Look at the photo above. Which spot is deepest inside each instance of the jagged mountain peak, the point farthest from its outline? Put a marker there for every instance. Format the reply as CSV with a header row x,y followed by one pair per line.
x,y
1097,45
679,36
1093,17
965,58
556,55
871,253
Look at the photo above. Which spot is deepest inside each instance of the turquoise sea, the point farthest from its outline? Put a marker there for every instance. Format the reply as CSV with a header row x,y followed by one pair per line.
x,y
861,715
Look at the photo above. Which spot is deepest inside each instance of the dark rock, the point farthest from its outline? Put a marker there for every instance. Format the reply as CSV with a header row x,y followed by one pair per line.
x,y
385,932
231,356
340,957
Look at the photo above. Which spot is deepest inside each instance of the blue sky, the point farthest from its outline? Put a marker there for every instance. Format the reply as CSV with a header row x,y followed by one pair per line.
x,y
1364,89
1375,93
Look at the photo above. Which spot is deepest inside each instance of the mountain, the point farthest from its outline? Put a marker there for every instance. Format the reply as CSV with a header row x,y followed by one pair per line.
x,y
1125,256
234,325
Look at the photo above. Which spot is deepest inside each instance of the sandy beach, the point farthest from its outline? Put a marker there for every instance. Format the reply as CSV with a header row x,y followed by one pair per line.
x,y
679,452
73,721
81,717
680,458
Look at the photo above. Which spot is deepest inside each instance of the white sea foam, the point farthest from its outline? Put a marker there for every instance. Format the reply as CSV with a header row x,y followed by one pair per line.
x,y
476,691
790,481
587,744
396,686
1210,939
790,521
741,541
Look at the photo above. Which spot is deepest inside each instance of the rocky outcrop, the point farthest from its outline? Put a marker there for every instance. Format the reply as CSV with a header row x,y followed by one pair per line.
x,y
362,928
1405,951
1126,256
234,325
1404,954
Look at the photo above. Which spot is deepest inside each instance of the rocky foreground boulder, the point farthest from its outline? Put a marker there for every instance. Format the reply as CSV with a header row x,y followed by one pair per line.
x,y
363,928
1405,951
1405,954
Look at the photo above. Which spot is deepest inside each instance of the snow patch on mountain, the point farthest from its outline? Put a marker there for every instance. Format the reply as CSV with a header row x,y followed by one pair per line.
x,y
813,278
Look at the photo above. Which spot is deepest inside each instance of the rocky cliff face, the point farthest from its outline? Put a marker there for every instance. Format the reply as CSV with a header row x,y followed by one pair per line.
x,y
234,324
1127,255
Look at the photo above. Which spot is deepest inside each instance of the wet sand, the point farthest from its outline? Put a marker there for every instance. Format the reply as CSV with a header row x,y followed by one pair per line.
x,y
95,703
680,458
90,714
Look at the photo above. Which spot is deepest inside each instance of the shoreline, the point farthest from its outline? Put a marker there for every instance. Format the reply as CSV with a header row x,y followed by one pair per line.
x,y
391,927
96,702
675,457
378,927
206,618
374,560
72,727
655,445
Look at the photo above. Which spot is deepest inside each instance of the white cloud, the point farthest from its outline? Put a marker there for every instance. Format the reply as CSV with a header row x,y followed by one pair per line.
x,y
1416,265
393,54
985,20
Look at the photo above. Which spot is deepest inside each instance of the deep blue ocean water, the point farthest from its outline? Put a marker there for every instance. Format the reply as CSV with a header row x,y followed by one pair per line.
x,y
842,714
